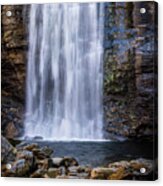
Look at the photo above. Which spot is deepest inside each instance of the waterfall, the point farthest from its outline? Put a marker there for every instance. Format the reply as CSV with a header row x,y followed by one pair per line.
x,y
65,71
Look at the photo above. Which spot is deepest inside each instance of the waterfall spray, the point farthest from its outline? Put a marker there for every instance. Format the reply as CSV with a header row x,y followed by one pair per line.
x,y
65,71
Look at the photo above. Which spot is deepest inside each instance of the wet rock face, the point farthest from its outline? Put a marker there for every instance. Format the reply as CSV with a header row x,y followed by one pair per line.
x,y
12,118
14,51
130,67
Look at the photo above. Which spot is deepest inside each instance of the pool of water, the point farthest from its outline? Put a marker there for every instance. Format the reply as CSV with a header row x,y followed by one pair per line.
x,y
100,153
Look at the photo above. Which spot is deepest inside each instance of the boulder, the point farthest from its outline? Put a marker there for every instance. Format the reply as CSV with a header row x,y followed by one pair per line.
x,y
31,146
28,156
53,172
8,152
25,154
39,173
11,131
62,170
69,161
138,164
119,174
44,163
47,151
20,168
65,161
131,169
56,162
123,170
39,154
79,169
102,172
80,172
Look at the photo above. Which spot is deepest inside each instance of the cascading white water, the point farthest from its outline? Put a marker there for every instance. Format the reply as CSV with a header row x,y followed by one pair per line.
x,y
65,72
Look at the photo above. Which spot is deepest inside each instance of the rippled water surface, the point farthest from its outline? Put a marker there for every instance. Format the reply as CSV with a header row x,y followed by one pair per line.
x,y
101,153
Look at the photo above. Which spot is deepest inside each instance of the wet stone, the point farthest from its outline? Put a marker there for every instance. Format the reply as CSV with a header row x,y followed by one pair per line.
x,y
43,164
20,168
79,169
69,161
53,172
31,146
47,151
56,162
40,154
7,150
101,173
25,154
38,138
39,173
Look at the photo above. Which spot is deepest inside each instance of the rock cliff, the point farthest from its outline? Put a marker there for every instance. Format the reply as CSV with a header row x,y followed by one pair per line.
x,y
130,69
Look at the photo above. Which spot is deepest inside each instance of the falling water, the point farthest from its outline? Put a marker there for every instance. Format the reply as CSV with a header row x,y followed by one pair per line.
x,y
64,72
